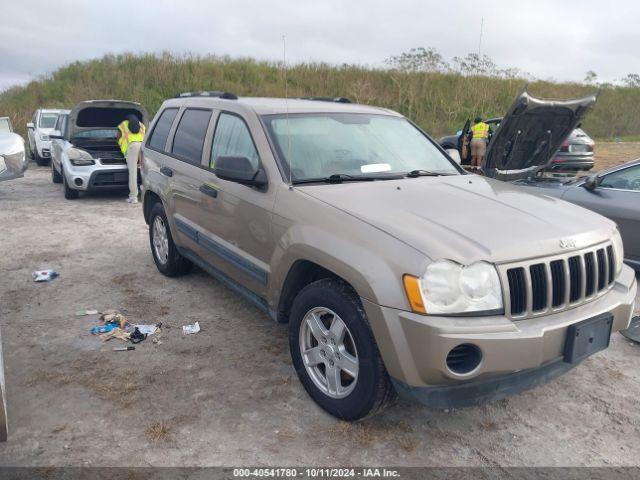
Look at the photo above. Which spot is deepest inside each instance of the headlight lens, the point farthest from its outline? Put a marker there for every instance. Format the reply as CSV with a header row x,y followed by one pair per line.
x,y
618,251
450,288
79,157
44,137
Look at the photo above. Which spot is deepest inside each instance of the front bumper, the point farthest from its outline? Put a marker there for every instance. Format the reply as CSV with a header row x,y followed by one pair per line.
x,y
43,147
516,355
96,177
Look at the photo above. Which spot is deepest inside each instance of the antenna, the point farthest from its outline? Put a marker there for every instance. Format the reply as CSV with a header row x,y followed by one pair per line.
x,y
286,104
480,41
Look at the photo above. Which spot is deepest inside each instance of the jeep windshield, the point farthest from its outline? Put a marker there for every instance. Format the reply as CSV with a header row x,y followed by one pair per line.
x,y
326,147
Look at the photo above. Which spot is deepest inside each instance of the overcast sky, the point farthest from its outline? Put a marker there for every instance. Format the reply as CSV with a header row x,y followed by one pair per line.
x,y
549,39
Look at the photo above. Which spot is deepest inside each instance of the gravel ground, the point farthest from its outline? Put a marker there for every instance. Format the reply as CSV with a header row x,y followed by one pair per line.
x,y
228,395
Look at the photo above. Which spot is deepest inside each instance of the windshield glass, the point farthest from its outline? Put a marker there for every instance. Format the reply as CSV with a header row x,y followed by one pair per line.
x,y
48,120
101,133
5,126
325,144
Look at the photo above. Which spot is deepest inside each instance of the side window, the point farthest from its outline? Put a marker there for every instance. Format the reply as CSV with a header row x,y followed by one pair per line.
x,y
625,179
158,138
189,138
232,139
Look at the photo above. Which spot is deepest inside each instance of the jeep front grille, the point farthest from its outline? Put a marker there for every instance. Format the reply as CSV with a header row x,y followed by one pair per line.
x,y
542,286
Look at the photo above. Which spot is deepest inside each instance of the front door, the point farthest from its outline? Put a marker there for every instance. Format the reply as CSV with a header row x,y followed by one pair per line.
x,y
617,197
235,220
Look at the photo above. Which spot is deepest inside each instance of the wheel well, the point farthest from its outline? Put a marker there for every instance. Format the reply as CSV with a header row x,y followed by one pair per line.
x,y
301,274
150,199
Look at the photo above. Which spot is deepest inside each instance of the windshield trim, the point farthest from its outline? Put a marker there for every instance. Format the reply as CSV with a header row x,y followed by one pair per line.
x,y
283,166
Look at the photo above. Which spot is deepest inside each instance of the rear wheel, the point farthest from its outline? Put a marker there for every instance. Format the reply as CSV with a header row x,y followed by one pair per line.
x,y
165,253
55,176
69,193
334,352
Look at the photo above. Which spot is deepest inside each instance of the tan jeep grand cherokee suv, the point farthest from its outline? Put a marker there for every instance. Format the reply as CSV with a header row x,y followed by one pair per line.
x,y
395,270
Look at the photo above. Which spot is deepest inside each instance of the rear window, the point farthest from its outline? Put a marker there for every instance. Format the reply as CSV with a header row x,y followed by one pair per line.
x,y
189,138
160,132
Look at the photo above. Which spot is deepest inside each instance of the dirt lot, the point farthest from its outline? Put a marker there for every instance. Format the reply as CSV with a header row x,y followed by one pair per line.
x,y
228,395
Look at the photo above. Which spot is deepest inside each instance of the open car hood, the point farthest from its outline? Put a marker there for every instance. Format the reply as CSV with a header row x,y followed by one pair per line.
x,y
530,134
98,114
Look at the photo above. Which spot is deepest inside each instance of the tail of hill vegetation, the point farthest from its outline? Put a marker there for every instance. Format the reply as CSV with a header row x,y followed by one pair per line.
x,y
438,95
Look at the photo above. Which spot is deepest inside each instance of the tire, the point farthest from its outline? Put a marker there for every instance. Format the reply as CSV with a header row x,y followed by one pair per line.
x,y
55,176
167,258
42,162
364,395
69,193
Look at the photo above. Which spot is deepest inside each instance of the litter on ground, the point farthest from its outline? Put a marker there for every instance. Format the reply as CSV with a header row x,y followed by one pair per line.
x,y
191,329
44,275
148,329
82,313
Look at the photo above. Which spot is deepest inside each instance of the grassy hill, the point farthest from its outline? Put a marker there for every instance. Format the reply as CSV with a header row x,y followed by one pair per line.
x,y
439,102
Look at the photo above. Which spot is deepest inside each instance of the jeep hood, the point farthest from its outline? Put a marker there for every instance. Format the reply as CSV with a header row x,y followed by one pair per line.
x,y
466,218
99,114
530,134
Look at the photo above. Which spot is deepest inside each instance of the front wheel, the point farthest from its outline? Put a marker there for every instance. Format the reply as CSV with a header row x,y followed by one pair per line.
x,y
334,352
165,253
69,193
41,161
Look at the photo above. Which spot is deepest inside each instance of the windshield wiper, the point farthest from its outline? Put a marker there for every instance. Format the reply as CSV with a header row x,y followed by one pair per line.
x,y
344,177
424,173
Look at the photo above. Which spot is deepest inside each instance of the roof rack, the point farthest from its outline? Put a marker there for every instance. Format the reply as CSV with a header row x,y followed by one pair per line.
x,y
327,99
208,93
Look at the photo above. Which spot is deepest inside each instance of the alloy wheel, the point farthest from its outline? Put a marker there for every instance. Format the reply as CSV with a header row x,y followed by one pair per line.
x,y
160,240
329,352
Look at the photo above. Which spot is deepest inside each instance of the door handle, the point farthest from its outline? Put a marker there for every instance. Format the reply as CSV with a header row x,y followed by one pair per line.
x,y
166,171
208,190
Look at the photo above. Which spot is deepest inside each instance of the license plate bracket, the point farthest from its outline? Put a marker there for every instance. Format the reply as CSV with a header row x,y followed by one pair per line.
x,y
587,337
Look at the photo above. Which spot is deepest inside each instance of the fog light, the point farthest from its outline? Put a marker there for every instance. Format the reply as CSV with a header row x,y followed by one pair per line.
x,y
78,181
464,358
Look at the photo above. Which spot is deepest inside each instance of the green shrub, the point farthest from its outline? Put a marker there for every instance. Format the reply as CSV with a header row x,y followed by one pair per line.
x,y
438,102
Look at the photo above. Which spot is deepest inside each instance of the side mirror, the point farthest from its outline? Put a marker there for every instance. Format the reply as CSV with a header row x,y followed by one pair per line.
x,y
592,182
239,170
30,125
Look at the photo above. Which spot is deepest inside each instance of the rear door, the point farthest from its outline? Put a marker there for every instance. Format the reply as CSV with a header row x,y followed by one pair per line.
x,y
185,174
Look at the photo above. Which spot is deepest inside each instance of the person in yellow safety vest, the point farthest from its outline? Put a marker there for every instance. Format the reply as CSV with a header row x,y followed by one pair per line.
x,y
479,139
130,136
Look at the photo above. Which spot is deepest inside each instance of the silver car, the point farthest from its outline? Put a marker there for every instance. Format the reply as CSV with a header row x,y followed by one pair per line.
x,y
38,131
86,156
614,193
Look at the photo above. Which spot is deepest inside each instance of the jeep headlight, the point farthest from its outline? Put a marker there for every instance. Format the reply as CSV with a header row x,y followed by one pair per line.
x,y
44,137
618,251
448,288
79,157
